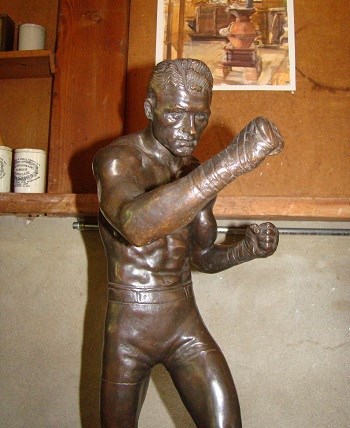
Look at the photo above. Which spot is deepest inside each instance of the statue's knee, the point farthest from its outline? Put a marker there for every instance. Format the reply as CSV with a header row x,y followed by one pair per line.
x,y
119,404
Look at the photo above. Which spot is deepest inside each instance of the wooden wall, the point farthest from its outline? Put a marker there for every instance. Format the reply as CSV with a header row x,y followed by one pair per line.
x,y
315,120
89,89
25,103
103,63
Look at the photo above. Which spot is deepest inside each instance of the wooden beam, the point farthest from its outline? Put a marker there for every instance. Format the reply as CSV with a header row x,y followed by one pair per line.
x,y
53,204
226,207
89,89
288,208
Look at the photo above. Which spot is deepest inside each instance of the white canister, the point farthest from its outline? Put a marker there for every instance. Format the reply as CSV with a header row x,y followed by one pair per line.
x,y
31,37
5,168
29,171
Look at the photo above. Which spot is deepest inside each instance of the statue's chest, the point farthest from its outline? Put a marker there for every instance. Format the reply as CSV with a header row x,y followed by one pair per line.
x,y
156,175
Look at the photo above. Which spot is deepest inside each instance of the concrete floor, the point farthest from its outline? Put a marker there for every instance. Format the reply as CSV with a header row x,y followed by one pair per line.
x,y
283,324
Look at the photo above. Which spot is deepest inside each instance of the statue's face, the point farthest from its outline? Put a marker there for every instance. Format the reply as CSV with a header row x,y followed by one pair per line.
x,y
179,118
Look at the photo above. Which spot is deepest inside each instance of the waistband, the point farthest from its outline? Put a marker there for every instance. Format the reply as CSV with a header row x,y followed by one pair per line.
x,y
122,294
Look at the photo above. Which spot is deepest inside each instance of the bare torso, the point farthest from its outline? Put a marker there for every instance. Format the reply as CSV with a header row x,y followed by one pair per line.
x,y
164,262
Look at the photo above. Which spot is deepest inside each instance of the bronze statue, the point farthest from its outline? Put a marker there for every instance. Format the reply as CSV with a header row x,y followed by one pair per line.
x,y
156,221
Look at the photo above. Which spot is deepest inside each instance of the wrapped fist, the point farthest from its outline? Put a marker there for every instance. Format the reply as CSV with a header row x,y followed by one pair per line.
x,y
260,138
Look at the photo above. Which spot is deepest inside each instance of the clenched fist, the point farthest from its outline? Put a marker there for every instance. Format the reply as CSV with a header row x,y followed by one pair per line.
x,y
261,240
260,138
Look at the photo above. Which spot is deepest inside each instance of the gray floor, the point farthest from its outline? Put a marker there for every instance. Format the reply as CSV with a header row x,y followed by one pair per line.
x,y
282,323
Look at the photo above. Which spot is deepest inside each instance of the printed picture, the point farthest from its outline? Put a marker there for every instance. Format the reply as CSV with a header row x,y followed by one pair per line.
x,y
248,45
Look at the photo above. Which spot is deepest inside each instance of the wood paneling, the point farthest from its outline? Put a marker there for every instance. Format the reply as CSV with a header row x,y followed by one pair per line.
x,y
310,179
25,112
25,78
89,89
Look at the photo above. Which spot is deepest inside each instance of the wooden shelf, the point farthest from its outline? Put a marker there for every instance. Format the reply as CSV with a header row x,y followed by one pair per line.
x,y
47,203
26,64
332,209
283,208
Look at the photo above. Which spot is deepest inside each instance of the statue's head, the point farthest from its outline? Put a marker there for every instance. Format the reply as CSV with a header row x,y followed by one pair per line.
x,y
178,103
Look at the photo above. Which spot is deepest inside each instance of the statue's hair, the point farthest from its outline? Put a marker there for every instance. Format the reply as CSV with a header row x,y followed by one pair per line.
x,y
189,74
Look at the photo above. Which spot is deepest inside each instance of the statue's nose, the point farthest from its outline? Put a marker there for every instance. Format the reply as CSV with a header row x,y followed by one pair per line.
x,y
189,125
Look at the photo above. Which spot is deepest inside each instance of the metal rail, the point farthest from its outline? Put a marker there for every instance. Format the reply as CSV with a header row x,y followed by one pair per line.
x,y
87,226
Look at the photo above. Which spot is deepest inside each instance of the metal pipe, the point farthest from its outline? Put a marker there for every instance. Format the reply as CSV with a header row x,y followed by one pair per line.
x,y
83,226
291,231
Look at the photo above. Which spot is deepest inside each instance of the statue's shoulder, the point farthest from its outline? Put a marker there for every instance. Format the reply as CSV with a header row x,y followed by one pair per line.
x,y
124,150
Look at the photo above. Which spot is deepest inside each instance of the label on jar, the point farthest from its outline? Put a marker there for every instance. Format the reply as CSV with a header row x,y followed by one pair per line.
x,y
26,171
3,165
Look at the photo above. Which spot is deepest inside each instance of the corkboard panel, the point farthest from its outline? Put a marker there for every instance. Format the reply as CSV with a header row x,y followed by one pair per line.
x,y
42,12
314,120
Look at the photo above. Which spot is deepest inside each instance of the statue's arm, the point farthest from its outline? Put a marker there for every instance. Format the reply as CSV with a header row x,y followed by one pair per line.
x,y
141,215
144,216
116,172
259,241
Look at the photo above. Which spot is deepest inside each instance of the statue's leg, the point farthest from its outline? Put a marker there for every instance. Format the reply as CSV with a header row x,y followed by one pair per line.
x,y
121,403
125,372
202,376
206,387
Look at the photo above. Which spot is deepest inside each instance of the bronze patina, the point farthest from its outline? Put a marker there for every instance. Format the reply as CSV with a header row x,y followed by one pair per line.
x,y
156,221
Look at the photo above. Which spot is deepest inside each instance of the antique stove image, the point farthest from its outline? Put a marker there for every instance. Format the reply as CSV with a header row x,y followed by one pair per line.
x,y
241,52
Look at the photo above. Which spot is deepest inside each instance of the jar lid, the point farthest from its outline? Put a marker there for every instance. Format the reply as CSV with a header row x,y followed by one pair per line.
x,y
5,148
32,25
30,151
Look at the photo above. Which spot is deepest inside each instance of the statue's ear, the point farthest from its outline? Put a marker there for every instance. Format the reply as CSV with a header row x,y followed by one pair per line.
x,y
149,106
148,109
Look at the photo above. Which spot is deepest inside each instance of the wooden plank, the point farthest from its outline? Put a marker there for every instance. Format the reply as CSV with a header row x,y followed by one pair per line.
x,y
89,89
44,203
26,64
226,207
283,208
141,61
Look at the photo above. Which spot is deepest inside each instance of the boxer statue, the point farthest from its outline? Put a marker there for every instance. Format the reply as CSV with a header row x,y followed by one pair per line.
x,y
156,221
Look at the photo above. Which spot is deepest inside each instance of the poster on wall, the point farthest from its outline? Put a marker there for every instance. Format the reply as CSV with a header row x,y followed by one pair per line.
x,y
248,45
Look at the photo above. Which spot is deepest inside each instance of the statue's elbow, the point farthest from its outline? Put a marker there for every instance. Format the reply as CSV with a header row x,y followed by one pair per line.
x,y
134,234
206,267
